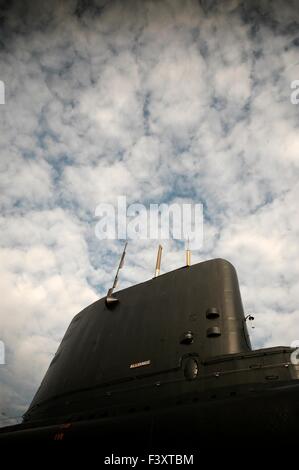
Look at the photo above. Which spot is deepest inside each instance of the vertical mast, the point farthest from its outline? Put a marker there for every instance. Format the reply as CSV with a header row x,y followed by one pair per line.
x,y
188,254
109,298
158,262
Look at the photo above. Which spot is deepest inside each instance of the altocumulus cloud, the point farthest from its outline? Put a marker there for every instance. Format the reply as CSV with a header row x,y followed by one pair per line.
x,y
160,101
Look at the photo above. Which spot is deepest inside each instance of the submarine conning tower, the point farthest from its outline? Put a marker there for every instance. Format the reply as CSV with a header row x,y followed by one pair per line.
x,y
192,311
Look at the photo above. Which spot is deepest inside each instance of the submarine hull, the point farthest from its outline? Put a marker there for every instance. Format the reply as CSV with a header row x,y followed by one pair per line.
x,y
167,365
265,416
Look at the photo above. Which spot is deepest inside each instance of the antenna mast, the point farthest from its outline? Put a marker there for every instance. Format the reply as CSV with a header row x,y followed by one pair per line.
x,y
110,300
188,254
158,262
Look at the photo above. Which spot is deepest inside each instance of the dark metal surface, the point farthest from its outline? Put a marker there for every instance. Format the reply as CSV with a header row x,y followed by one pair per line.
x,y
172,355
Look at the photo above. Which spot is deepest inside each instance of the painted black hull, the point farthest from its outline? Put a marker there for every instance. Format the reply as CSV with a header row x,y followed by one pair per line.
x,y
264,416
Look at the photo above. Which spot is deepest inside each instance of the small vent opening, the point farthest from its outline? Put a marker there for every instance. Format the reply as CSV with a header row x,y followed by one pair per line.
x,y
212,313
213,332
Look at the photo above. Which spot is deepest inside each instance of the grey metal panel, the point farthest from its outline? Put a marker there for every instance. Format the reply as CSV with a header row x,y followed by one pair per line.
x,y
147,325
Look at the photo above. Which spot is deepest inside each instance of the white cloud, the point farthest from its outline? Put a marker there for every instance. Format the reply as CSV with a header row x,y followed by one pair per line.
x,y
159,101
24,181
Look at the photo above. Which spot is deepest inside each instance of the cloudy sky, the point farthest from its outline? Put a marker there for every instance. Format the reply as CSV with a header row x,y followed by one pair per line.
x,y
160,101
